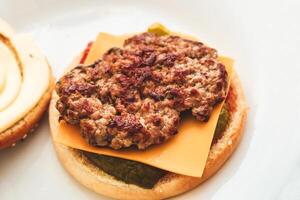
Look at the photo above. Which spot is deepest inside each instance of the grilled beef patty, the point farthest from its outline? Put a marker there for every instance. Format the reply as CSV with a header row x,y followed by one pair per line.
x,y
134,95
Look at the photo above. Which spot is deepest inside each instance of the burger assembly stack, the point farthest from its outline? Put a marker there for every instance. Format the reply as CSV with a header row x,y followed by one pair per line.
x,y
148,115
25,85
137,116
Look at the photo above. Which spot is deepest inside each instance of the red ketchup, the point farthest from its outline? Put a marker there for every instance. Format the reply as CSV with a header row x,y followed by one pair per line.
x,y
86,52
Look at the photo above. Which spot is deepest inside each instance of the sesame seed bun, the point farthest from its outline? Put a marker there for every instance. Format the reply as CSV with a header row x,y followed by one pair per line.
x,y
89,175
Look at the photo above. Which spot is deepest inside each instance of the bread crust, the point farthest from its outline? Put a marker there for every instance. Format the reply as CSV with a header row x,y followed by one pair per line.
x,y
170,185
23,127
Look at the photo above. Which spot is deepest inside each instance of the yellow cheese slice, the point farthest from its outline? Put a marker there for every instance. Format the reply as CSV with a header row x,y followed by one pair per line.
x,y
186,153
102,44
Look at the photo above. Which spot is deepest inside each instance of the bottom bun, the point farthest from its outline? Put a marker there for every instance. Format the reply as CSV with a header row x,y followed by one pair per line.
x,y
88,174
23,127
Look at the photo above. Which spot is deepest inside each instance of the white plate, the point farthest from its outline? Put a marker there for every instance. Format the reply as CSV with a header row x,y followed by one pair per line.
x,y
264,39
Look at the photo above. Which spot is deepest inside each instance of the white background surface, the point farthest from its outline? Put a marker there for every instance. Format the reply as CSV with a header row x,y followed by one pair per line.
x,y
263,37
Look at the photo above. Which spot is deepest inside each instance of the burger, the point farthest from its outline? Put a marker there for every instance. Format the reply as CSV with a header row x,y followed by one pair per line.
x,y
132,98
26,84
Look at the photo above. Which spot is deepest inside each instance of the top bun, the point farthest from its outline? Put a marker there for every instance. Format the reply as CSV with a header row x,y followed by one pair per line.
x,y
25,85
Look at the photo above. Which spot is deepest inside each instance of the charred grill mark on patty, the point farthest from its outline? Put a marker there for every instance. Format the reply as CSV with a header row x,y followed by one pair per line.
x,y
134,95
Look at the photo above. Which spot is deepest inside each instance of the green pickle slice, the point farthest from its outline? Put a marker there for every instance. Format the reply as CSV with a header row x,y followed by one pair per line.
x,y
222,122
158,29
128,171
